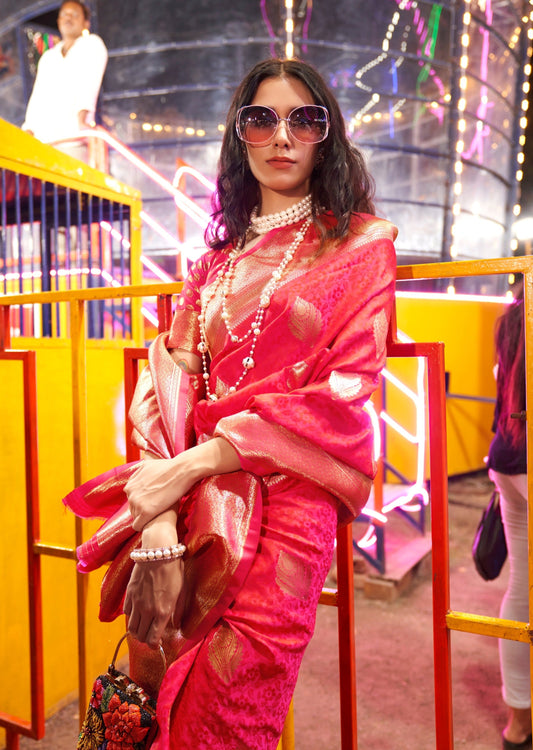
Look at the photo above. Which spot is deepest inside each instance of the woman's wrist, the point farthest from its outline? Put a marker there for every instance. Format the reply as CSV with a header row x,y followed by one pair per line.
x,y
215,456
161,530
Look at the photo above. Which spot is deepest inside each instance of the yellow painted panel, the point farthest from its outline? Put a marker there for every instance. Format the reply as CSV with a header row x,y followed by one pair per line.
x,y
466,327
106,425
13,609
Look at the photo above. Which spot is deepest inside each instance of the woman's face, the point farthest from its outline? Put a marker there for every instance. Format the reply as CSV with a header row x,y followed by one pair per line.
x,y
283,167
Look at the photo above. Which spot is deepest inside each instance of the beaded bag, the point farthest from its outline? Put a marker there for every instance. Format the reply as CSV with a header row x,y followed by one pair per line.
x,y
120,713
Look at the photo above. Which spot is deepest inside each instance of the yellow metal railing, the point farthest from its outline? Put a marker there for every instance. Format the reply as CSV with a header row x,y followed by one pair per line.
x,y
462,621
63,225
58,219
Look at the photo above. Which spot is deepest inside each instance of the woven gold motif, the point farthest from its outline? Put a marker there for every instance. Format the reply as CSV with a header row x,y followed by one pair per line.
x,y
305,321
225,653
293,576
297,374
184,332
344,387
221,387
380,327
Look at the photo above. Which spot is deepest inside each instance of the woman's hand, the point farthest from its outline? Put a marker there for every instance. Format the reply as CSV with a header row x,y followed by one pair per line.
x,y
155,592
154,596
159,483
156,486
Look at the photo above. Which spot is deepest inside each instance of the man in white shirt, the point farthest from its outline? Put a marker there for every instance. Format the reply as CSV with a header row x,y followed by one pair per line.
x,y
69,76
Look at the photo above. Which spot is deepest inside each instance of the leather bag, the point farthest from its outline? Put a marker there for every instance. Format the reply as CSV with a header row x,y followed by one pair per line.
x,y
490,548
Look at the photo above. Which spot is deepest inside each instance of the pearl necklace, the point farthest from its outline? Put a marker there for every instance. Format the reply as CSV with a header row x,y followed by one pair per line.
x,y
291,215
224,279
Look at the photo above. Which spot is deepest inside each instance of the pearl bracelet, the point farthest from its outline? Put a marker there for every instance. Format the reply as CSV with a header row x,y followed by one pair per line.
x,y
158,553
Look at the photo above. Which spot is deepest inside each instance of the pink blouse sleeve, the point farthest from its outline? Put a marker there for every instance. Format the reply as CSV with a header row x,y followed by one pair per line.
x,y
184,332
318,427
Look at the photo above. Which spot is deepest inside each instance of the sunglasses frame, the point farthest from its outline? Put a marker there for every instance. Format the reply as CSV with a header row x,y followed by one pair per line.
x,y
278,120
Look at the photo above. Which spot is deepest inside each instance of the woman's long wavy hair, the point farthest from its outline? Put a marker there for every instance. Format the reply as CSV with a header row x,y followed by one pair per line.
x,y
510,348
340,181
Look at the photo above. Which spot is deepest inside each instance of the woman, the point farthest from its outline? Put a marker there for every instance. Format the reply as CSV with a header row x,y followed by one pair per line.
x,y
283,323
508,470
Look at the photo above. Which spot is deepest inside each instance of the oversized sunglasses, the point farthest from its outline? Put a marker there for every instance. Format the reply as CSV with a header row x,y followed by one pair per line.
x,y
257,125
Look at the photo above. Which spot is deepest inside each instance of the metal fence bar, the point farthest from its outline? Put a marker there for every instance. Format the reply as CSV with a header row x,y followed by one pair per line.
x,y
444,620
36,726
3,230
18,241
346,635
80,444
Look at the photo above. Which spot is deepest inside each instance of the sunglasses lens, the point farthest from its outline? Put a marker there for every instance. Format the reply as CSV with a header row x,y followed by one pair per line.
x,y
309,124
256,124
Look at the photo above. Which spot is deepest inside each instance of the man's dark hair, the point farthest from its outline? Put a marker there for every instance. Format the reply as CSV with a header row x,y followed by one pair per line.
x,y
85,9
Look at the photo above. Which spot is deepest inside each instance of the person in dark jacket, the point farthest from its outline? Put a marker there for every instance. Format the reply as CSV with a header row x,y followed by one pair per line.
x,y
508,470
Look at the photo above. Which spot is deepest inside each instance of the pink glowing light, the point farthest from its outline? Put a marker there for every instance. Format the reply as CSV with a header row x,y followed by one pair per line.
x,y
413,439
482,131
451,297
414,496
153,267
62,272
374,419
307,21
156,270
182,201
270,28
422,31
110,229
376,514
196,213
198,176
110,280
181,249
368,539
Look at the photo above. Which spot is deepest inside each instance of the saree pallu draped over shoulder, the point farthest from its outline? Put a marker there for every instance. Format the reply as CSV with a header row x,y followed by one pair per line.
x,y
260,540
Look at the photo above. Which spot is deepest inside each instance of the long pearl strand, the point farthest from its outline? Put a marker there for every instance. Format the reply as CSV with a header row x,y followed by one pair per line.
x,y
224,278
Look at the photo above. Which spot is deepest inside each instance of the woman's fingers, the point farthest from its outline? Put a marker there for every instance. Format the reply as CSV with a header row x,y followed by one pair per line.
x,y
179,609
155,487
151,599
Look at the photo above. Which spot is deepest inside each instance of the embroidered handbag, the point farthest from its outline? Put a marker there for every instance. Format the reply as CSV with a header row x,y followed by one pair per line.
x,y
120,713
490,548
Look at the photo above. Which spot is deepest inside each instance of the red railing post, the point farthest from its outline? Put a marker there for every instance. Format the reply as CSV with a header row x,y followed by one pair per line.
x,y
164,311
440,557
131,374
346,631
13,725
5,328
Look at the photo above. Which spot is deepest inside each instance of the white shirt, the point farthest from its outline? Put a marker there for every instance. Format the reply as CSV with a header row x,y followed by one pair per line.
x,y
64,86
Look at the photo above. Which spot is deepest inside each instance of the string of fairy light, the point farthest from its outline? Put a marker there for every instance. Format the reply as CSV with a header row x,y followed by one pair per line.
x,y
289,30
426,33
405,20
149,127
462,154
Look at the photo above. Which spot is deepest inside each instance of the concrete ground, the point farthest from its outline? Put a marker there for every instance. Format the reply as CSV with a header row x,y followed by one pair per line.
x,y
394,660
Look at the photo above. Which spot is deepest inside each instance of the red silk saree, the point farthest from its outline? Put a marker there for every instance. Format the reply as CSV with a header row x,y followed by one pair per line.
x,y
259,541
